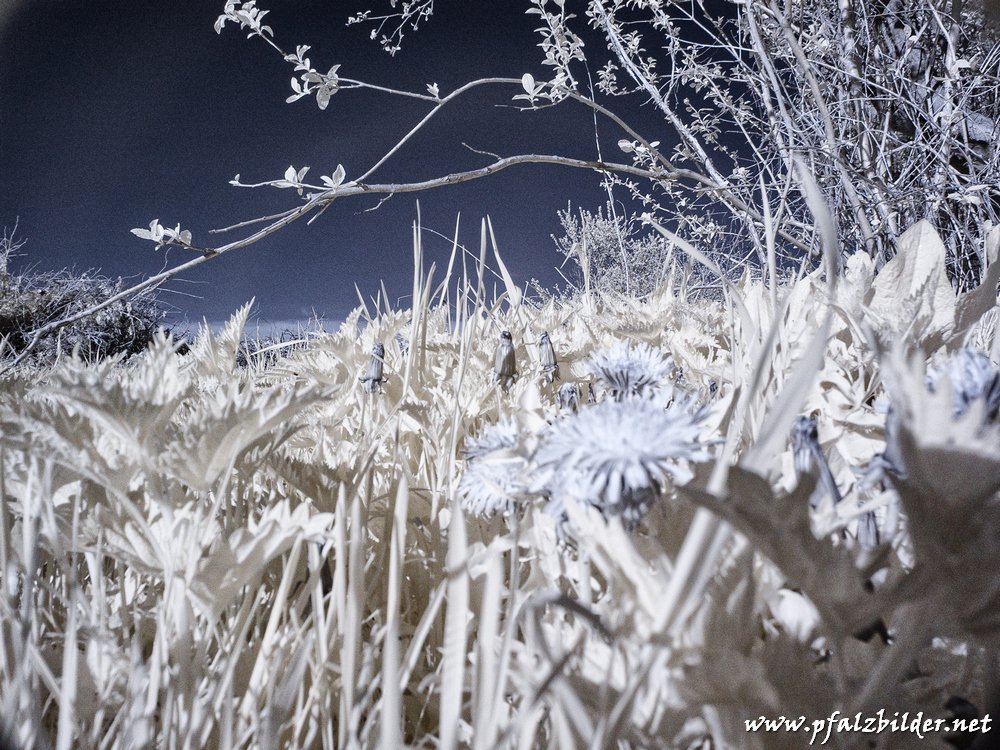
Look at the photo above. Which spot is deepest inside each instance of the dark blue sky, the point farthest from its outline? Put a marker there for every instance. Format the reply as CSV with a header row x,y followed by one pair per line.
x,y
115,113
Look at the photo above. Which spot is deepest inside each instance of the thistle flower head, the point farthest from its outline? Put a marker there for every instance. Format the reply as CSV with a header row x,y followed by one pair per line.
x,y
568,397
629,371
505,364
490,483
618,456
547,357
493,437
373,375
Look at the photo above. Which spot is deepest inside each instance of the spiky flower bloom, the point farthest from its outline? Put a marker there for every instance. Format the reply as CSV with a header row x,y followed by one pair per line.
x,y
629,371
568,397
547,357
806,451
972,376
490,483
505,365
373,375
619,455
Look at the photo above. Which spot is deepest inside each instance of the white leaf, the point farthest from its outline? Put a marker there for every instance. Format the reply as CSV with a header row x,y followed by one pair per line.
x,y
338,175
290,174
626,146
323,97
155,230
528,82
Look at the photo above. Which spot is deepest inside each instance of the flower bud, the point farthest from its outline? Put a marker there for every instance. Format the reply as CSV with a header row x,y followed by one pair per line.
x,y
805,451
547,357
505,366
373,375
568,397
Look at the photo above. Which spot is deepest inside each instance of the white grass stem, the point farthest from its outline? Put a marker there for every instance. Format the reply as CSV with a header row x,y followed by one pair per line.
x,y
391,717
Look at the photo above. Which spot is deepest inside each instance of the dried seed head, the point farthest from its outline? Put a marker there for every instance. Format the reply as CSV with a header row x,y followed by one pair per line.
x,y
505,365
373,375
568,397
547,357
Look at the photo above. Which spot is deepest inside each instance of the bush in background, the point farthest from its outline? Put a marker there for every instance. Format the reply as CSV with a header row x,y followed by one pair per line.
x,y
623,259
31,300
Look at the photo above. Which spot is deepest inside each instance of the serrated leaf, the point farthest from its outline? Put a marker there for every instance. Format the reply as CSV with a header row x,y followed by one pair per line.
x,y
914,284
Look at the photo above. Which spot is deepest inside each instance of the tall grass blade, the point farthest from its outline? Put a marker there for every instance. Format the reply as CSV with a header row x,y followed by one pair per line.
x,y
391,735
455,635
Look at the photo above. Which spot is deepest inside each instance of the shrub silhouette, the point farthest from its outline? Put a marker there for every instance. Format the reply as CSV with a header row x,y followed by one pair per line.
x,y
30,300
